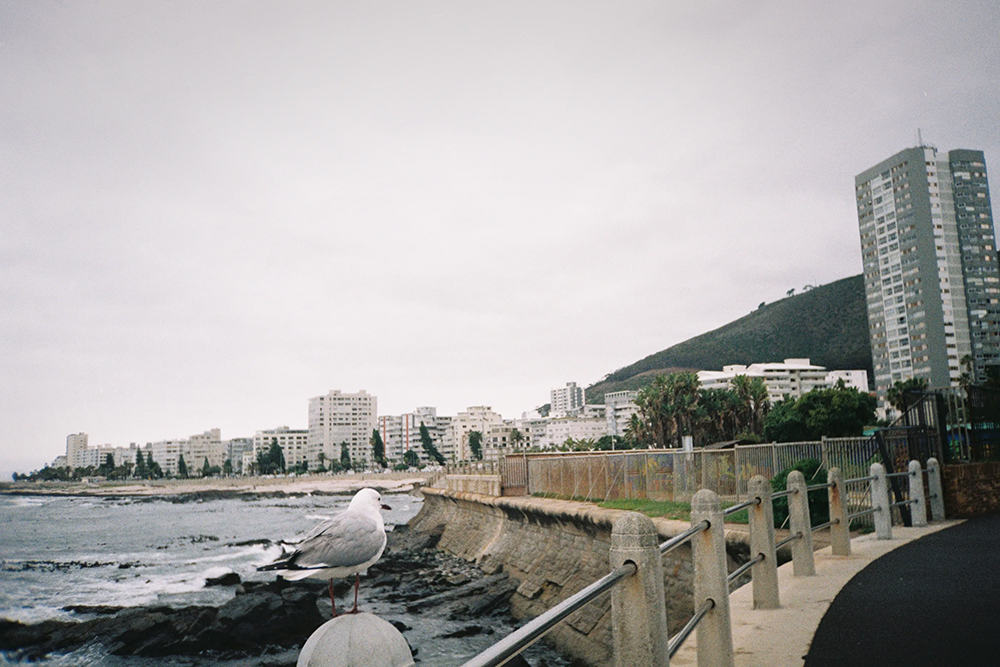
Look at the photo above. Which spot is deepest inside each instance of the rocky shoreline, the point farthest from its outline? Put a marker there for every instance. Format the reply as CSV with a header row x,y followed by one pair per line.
x,y
225,487
267,622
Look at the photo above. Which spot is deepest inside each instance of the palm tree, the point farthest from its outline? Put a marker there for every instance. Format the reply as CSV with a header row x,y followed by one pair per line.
x,y
516,437
901,394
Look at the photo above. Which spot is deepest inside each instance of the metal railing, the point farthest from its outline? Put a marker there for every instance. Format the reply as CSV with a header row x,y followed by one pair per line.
x,y
636,580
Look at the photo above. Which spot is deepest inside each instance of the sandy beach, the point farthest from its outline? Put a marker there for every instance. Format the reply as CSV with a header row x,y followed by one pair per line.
x,y
389,482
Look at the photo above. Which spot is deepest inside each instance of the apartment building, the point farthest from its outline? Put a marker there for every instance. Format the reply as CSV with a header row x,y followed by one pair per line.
x,y
294,444
791,377
932,278
566,399
337,418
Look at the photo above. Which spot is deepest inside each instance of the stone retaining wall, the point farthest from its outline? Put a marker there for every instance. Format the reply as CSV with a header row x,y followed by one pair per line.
x,y
971,488
487,485
555,548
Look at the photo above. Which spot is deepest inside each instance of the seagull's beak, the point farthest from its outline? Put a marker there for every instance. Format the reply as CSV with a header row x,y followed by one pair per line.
x,y
386,507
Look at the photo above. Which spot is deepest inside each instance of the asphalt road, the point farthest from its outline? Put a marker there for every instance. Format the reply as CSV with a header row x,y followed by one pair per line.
x,y
935,601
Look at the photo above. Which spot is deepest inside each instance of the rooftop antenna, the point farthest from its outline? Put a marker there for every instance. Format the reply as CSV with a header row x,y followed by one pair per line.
x,y
920,139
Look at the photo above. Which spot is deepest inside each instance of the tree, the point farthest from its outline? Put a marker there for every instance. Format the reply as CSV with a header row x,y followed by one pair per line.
x,y
155,471
271,461
428,444
637,432
834,413
516,437
277,456
227,467
476,444
107,467
345,456
141,471
322,463
378,447
669,406
182,468
902,394
411,459
206,469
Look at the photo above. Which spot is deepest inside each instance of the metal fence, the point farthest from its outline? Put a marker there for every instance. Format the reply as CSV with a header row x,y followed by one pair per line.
x,y
675,474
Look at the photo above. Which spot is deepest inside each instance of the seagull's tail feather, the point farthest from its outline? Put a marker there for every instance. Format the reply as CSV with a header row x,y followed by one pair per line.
x,y
280,565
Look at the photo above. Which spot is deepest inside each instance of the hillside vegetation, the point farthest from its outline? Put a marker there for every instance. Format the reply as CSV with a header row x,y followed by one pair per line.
x,y
828,324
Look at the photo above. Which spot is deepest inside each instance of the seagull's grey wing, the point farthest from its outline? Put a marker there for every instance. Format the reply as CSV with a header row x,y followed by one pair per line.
x,y
348,539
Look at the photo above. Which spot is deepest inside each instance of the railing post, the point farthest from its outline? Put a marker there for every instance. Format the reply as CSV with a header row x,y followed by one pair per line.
x,y
799,522
764,573
638,604
918,511
934,490
880,502
840,530
711,582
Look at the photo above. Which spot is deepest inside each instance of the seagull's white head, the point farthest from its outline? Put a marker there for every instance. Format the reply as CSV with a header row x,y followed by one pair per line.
x,y
368,501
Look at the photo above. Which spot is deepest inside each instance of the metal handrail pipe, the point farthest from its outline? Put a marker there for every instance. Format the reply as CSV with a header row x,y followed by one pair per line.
x,y
898,474
821,526
862,513
933,495
903,502
734,575
678,640
678,540
782,494
817,487
860,479
790,538
533,630
742,506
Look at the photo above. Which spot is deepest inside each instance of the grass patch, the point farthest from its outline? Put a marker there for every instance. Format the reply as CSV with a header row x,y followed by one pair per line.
x,y
665,508
668,509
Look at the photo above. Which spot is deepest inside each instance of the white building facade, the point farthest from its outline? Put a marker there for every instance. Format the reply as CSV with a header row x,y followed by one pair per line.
x,y
475,418
294,444
792,377
619,406
566,399
337,418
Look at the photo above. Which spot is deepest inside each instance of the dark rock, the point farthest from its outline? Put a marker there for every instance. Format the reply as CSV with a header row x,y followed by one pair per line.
x,y
227,579
98,609
467,631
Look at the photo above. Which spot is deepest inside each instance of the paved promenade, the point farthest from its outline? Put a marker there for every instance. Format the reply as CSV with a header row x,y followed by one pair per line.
x,y
883,617
935,601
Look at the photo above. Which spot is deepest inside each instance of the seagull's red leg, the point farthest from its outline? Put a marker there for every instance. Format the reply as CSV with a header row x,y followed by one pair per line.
x,y
357,582
332,601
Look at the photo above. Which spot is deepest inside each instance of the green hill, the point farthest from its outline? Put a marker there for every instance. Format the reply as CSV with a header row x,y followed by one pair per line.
x,y
828,324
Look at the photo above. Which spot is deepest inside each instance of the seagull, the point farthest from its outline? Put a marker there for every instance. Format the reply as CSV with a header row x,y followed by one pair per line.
x,y
347,544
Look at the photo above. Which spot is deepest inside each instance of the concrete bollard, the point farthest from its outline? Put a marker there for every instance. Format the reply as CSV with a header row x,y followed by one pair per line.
x,y
355,640
918,509
881,503
799,522
934,491
715,634
840,531
638,604
764,573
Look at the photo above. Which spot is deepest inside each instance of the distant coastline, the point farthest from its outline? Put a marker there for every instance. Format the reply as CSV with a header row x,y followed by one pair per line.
x,y
217,487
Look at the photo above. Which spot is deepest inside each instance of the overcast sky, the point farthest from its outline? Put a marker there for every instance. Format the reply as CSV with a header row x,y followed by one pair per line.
x,y
212,211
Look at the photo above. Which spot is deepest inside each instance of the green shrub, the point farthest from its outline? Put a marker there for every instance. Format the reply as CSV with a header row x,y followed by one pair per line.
x,y
819,503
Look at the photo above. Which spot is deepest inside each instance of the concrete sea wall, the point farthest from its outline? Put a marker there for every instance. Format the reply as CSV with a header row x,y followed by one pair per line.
x,y
554,548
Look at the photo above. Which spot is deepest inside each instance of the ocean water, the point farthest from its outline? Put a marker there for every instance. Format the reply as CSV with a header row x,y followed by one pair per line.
x,y
57,552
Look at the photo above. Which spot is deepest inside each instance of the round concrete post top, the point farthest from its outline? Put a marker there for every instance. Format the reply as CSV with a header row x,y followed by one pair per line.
x,y
356,640
705,500
635,527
